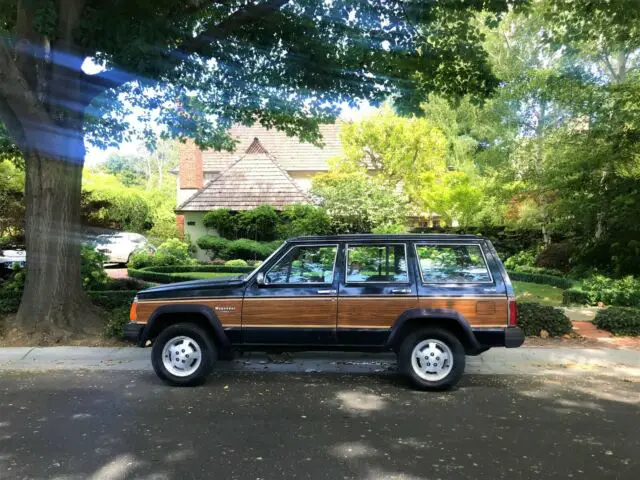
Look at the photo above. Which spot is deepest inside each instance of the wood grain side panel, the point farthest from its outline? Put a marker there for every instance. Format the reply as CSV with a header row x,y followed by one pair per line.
x,y
478,312
228,310
372,312
310,312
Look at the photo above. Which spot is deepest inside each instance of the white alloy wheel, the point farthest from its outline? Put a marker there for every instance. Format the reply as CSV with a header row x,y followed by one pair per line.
x,y
181,356
432,360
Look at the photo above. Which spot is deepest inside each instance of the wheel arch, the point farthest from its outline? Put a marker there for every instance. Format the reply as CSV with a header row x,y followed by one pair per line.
x,y
201,315
433,317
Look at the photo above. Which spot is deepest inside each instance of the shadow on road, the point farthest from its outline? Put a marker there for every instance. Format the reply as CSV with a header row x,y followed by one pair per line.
x,y
113,425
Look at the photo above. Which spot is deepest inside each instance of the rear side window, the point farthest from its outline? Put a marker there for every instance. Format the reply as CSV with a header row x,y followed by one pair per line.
x,y
452,264
377,263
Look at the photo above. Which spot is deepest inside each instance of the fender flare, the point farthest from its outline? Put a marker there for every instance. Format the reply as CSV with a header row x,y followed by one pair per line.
x,y
434,314
203,310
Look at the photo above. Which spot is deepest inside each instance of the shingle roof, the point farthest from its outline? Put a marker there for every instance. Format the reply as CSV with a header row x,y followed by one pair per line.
x,y
291,154
254,179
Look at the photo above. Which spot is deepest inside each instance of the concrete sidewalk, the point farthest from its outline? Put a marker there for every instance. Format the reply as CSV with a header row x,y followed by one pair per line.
x,y
534,361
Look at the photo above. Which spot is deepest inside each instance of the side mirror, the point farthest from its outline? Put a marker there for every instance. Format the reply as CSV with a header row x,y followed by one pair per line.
x,y
261,279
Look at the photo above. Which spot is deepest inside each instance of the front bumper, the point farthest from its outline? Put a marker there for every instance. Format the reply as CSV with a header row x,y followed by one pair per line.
x,y
509,337
131,331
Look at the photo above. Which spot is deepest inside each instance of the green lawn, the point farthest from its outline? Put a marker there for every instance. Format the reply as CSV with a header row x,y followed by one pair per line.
x,y
537,293
204,275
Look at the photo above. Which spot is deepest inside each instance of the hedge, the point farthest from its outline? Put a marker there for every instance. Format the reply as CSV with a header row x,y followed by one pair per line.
x,y
574,296
619,320
111,299
533,318
9,302
560,282
108,299
199,268
151,274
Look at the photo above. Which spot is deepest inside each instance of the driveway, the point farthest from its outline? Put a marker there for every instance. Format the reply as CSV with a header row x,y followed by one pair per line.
x,y
252,425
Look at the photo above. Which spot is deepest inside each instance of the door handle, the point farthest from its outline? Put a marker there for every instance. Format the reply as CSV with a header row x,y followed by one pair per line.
x,y
401,290
327,291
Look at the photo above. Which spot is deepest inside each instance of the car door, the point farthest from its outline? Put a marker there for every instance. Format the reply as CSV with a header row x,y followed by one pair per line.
x,y
297,304
378,285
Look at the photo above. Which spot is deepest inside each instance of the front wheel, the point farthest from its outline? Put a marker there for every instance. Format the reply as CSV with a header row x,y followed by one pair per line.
x,y
433,358
183,355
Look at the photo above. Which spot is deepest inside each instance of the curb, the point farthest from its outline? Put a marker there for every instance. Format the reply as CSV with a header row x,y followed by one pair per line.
x,y
528,361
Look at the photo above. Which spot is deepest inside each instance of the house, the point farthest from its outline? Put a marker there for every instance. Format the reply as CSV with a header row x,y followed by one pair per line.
x,y
267,167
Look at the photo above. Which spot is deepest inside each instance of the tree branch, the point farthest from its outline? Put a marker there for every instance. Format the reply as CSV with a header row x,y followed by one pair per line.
x,y
16,91
234,21
214,30
12,124
609,66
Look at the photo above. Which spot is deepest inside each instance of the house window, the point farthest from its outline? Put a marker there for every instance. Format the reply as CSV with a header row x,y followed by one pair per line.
x,y
191,224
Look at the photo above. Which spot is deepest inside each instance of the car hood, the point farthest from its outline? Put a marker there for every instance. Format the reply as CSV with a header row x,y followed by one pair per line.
x,y
195,288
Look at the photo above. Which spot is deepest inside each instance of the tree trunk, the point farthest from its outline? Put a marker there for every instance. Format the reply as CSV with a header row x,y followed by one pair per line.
x,y
53,300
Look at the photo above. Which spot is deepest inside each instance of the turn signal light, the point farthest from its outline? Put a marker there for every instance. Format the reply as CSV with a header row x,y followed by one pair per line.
x,y
513,312
133,313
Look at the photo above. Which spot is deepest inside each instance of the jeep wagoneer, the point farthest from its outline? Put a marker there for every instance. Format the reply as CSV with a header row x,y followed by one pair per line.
x,y
431,299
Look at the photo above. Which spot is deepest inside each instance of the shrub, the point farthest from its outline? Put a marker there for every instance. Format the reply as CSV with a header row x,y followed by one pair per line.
x,y
248,249
236,263
15,282
555,256
259,223
92,269
624,292
117,318
574,296
213,245
533,318
9,301
112,299
173,252
524,258
303,219
560,282
122,284
222,220
140,259
619,320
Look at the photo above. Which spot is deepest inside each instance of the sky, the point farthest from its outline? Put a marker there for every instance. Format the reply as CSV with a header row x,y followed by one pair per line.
x,y
96,155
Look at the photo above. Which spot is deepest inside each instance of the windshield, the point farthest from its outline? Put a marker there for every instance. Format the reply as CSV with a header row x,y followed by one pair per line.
x,y
255,270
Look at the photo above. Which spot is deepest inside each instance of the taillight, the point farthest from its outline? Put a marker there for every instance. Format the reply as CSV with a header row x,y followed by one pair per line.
x,y
133,313
513,312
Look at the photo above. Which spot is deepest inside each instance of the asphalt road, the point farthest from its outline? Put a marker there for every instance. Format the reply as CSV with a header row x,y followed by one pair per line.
x,y
117,425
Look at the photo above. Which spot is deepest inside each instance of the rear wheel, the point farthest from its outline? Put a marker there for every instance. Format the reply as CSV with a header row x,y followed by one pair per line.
x,y
433,358
183,355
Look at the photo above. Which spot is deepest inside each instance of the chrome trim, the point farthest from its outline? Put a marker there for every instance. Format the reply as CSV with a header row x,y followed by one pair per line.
x,y
328,291
452,284
374,244
333,273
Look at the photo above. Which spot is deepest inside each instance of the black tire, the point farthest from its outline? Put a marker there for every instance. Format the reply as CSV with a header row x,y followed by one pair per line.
x,y
204,343
446,337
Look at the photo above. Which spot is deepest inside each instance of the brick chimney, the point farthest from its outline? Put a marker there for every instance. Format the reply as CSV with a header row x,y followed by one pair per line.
x,y
191,175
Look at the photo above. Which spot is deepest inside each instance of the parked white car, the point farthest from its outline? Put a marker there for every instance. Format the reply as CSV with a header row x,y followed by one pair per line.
x,y
118,247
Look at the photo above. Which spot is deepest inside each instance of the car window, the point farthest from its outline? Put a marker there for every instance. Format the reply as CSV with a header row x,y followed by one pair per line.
x,y
377,263
452,264
305,264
